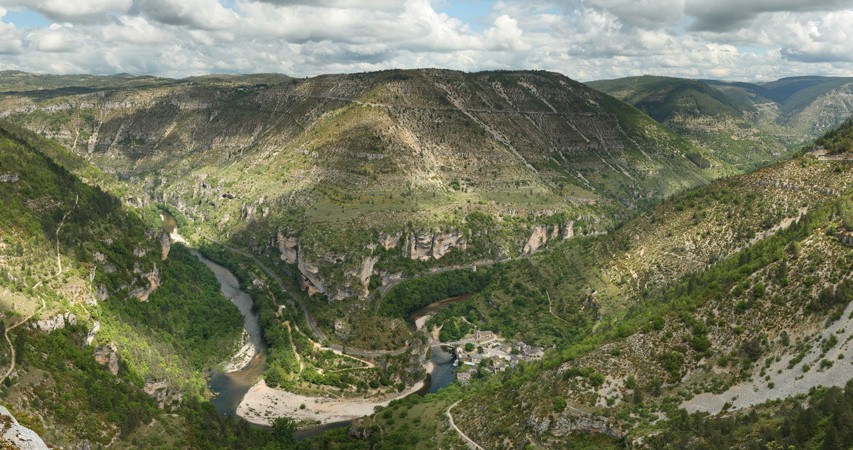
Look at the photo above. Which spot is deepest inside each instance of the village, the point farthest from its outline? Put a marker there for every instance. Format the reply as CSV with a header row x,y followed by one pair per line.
x,y
490,353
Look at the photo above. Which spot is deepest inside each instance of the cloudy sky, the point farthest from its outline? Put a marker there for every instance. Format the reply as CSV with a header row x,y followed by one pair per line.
x,y
752,40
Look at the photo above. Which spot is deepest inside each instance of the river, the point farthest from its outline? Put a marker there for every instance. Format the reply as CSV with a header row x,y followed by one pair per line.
x,y
230,388
444,370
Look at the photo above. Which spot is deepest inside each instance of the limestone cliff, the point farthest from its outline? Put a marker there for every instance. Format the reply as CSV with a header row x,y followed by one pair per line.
x,y
432,246
56,322
542,234
153,282
288,246
107,355
312,281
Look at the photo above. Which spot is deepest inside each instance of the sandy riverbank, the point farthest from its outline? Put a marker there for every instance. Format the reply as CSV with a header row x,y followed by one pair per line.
x,y
243,356
262,404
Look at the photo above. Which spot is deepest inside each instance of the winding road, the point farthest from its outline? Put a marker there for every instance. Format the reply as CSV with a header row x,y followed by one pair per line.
x,y
482,263
9,341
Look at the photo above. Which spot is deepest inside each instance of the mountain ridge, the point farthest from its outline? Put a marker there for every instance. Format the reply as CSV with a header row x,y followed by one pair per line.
x,y
338,149
745,124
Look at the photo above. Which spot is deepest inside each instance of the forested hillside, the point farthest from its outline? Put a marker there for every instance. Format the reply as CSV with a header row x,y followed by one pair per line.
x,y
105,307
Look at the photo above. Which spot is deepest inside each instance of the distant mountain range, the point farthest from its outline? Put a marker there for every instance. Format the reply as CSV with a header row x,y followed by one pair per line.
x,y
744,124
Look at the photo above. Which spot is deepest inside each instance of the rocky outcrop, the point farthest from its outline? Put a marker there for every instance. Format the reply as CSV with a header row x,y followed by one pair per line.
x,y
342,328
91,336
443,243
288,246
569,423
102,293
846,237
390,240
568,230
165,245
542,234
162,392
56,322
358,430
311,279
538,239
418,246
426,246
142,293
107,355
366,272
15,435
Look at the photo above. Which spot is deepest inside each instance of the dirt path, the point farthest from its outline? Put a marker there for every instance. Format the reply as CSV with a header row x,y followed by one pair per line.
x,y
9,341
58,229
293,347
43,305
469,441
551,309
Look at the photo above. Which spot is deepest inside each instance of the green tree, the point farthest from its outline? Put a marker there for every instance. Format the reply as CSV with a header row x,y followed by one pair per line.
x,y
283,433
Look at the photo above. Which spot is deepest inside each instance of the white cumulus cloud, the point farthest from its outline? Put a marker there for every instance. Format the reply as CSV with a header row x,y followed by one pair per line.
x,y
584,39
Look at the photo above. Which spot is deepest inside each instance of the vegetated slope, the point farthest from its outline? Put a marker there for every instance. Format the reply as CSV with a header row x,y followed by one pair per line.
x,y
112,316
362,178
745,124
726,296
744,330
838,142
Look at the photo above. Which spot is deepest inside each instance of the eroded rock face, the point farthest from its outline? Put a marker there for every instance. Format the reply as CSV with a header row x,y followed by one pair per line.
x,y
107,355
288,246
142,293
538,239
94,331
568,230
418,246
101,293
570,423
311,279
56,322
165,245
443,243
541,235
366,272
162,392
390,240
342,328
426,246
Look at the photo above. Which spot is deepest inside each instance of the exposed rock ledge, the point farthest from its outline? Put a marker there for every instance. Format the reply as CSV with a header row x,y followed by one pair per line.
x,y
426,246
56,322
162,392
108,355
542,234
15,435
153,278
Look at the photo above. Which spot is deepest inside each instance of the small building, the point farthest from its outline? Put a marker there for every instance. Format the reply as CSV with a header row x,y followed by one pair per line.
x,y
485,335
464,378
